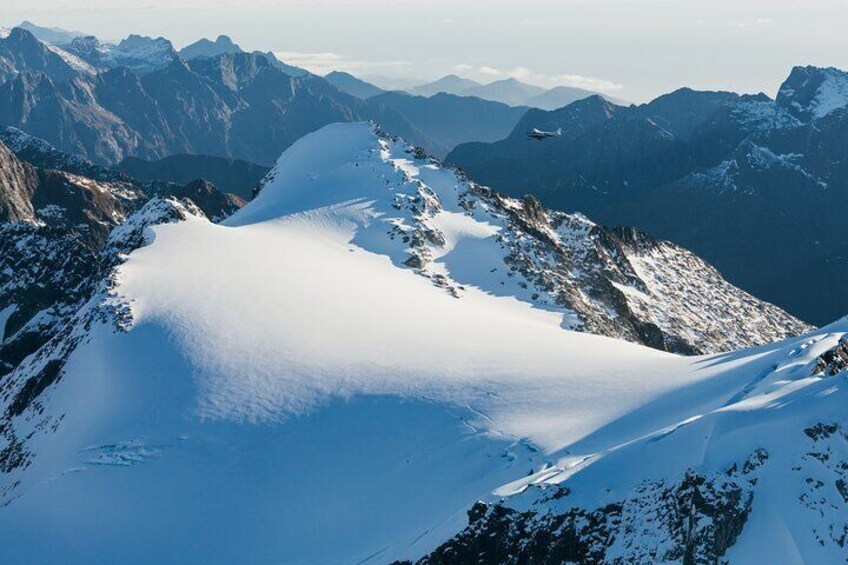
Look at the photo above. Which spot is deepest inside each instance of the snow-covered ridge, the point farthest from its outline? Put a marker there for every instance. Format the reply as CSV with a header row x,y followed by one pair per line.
x,y
459,234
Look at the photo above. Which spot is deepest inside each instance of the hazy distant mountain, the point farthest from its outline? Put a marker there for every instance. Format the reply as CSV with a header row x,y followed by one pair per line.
x,y
393,83
348,83
207,48
450,84
229,175
452,119
53,35
560,96
740,180
508,91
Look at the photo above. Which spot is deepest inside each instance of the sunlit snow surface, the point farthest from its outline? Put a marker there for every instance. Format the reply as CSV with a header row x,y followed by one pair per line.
x,y
288,394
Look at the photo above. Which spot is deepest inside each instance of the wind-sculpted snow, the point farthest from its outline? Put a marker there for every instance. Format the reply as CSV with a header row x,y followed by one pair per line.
x,y
336,374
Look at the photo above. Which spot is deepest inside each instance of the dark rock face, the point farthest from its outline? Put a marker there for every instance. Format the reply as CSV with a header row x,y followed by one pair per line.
x,y
812,92
17,182
833,361
698,519
754,186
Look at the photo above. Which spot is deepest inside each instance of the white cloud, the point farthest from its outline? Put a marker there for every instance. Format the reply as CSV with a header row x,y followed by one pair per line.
x,y
529,76
323,63
489,71
752,23
462,68
588,83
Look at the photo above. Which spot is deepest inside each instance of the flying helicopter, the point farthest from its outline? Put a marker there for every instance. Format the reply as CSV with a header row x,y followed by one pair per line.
x,y
539,135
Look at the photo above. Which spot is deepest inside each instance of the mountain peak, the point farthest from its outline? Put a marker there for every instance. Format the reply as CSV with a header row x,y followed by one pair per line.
x,y
225,40
812,92
52,35
206,48
352,85
21,36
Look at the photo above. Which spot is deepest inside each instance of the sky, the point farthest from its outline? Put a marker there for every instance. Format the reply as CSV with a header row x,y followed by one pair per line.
x,y
631,49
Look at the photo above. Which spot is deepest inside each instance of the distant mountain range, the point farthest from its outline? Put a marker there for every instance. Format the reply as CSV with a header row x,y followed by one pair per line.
x,y
508,91
759,187
141,98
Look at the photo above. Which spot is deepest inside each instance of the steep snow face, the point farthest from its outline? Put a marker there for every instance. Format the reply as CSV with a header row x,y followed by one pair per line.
x,y
314,389
76,63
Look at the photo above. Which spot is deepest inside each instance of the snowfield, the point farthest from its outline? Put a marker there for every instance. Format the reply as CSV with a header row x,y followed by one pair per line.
x,y
288,391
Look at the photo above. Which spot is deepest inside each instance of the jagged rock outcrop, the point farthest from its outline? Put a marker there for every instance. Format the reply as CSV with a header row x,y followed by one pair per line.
x,y
215,204
699,519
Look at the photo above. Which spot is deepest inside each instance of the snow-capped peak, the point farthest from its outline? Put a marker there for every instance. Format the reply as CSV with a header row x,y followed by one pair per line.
x,y
812,92
137,53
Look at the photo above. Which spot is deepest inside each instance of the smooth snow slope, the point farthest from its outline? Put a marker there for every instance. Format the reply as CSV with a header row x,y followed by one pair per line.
x,y
287,394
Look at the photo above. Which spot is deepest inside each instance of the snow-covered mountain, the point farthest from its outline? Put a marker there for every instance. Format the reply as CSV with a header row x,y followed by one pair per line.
x,y
137,53
337,372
